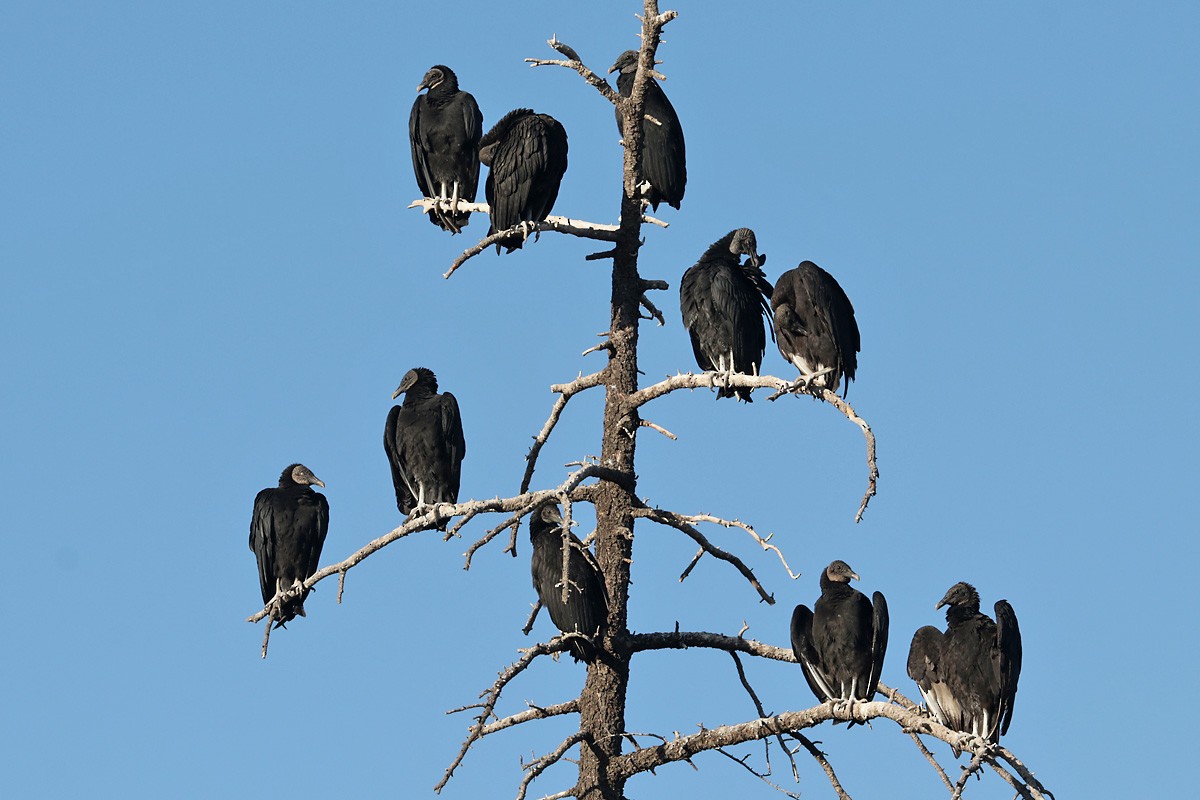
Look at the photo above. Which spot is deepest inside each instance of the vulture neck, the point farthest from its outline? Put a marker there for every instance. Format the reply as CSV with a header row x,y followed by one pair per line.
x,y
832,587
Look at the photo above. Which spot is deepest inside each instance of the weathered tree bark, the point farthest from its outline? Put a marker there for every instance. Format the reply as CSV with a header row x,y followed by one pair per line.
x,y
602,703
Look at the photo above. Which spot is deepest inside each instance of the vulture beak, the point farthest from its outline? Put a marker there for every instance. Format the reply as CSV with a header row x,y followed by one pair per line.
x,y
427,82
318,481
854,576
407,382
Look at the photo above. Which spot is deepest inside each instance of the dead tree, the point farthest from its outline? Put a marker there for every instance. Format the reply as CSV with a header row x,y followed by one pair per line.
x,y
609,484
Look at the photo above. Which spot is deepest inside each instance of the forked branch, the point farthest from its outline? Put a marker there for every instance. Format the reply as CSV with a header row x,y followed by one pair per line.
x,y
491,696
683,524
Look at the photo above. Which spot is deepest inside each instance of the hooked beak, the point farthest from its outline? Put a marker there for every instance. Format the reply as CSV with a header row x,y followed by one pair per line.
x,y
318,482
407,382
854,576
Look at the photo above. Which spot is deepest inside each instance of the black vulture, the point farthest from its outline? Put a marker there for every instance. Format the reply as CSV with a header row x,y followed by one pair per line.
x,y
444,129
840,644
968,675
287,533
723,302
815,327
664,154
527,156
586,609
424,441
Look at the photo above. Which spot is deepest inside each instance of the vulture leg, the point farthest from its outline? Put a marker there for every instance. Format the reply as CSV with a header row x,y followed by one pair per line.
x,y
805,381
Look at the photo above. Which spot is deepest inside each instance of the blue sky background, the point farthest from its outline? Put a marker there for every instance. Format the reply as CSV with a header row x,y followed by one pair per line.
x,y
209,272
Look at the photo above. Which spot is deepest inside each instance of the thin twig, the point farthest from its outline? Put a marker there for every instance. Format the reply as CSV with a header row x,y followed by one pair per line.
x,y
756,773
758,706
925,751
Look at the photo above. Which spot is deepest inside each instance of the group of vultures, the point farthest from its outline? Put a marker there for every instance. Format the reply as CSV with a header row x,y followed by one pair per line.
x,y
967,674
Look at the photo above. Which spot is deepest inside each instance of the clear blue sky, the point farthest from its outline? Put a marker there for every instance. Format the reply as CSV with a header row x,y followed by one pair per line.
x,y
209,272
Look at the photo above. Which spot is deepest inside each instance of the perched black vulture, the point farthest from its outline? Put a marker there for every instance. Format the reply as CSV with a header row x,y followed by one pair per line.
x,y
815,327
968,675
586,609
444,129
841,643
723,302
287,533
527,154
424,442
664,155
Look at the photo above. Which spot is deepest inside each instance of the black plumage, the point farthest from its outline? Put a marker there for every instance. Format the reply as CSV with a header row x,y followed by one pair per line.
x,y
586,608
840,644
723,301
968,675
287,533
444,128
664,153
527,156
424,442
815,326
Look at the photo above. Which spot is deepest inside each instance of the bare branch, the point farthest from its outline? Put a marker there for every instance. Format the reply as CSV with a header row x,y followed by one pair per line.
x,y
681,523
540,765
968,771
765,544
267,636
820,758
532,713
565,392
717,380
756,773
573,62
525,502
572,227
537,607
758,706
653,311
648,424
930,758
684,747
431,516
492,695
681,640
872,468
